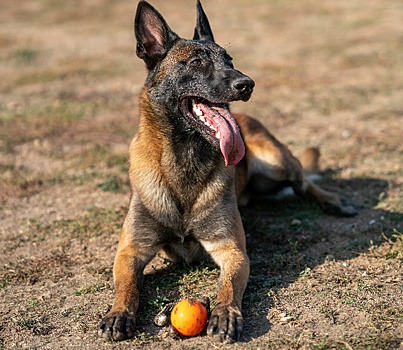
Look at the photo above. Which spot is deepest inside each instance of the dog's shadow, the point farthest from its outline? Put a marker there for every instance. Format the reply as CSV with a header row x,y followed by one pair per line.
x,y
284,239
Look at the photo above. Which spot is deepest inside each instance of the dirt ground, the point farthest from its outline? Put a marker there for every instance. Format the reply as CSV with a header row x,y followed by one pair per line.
x,y
328,74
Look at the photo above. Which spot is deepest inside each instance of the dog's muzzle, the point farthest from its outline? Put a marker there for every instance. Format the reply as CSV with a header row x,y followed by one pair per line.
x,y
243,87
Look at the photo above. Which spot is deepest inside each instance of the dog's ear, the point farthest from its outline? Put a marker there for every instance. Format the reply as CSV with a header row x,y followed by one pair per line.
x,y
202,30
153,35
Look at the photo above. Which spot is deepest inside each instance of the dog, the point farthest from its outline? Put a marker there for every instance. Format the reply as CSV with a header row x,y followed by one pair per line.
x,y
191,162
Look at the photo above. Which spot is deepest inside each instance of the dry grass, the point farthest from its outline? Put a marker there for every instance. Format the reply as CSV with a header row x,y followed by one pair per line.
x,y
327,74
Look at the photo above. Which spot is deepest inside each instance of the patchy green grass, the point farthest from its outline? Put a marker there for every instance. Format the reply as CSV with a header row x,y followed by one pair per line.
x,y
53,266
97,222
38,325
111,184
26,56
92,289
39,121
327,74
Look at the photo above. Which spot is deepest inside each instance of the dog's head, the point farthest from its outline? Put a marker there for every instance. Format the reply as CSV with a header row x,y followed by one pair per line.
x,y
194,80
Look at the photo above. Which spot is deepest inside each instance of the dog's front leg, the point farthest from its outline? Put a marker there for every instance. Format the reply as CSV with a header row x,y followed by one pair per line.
x,y
229,253
131,258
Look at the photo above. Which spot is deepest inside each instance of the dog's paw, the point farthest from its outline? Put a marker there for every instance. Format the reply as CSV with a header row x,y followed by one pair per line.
x,y
343,208
225,323
117,326
347,208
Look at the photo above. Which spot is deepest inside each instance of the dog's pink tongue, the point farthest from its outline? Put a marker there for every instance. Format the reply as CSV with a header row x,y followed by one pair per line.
x,y
231,142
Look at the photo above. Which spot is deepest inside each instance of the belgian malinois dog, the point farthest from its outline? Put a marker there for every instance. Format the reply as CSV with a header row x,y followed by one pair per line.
x,y
190,163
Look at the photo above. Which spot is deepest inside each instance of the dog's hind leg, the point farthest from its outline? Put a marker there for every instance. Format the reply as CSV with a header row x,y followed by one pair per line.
x,y
329,201
270,166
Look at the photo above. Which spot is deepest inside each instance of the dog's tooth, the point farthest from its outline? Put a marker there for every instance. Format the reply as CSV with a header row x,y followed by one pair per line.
x,y
217,134
199,112
202,118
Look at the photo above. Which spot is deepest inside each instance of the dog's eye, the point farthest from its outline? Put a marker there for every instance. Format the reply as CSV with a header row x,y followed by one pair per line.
x,y
195,62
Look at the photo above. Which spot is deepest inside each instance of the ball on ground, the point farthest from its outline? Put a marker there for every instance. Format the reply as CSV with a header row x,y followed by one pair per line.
x,y
189,317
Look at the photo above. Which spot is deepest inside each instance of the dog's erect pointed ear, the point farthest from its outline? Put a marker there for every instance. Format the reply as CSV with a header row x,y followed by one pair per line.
x,y
153,35
202,30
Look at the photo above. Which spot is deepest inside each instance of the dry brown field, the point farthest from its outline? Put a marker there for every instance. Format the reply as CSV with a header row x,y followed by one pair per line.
x,y
328,74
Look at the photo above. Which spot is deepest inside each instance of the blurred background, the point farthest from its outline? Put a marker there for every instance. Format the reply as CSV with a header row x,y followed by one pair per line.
x,y
328,74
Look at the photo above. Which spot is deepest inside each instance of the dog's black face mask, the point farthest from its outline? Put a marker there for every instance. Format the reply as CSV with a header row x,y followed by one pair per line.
x,y
206,85
194,78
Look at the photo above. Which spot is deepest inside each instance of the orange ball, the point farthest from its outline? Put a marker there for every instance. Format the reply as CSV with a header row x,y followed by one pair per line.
x,y
189,317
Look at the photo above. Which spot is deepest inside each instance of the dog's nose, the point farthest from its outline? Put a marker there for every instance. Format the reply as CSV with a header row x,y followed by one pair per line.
x,y
244,86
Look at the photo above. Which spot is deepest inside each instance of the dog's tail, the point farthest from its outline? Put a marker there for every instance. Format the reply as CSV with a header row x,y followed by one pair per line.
x,y
310,163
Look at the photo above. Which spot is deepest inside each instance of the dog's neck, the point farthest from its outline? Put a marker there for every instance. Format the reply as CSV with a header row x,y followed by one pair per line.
x,y
180,145
184,158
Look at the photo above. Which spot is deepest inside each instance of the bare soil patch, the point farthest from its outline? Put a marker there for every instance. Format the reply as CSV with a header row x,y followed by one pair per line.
x,y
328,74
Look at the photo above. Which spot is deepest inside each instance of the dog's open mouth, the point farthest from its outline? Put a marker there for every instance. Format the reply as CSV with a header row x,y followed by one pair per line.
x,y
216,124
